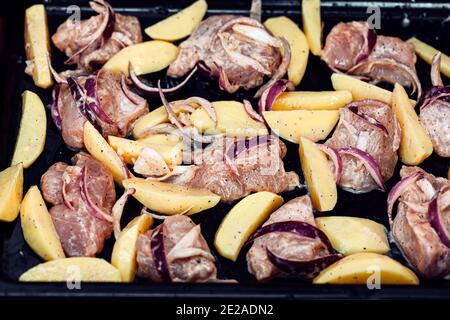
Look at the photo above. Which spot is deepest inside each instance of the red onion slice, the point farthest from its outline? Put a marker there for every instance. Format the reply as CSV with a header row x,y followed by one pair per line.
x,y
304,269
251,112
117,210
55,109
93,209
299,228
204,71
257,34
92,101
398,190
245,144
56,75
369,41
333,154
224,82
205,104
79,96
282,68
436,79
159,254
102,34
151,91
372,121
435,219
369,163
271,93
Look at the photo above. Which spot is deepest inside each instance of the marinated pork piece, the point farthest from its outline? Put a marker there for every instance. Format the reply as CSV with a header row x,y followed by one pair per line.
x,y
371,127
95,40
117,107
420,230
234,168
236,49
314,251
435,111
175,251
78,193
354,48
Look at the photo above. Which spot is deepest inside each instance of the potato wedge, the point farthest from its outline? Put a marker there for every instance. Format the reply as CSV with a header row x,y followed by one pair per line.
x,y
292,124
32,132
125,250
11,191
318,176
427,52
168,198
415,145
242,220
162,138
103,152
180,25
312,25
153,118
130,150
146,57
350,235
71,270
358,267
232,119
37,45
37,226
312,100
285,27
361,90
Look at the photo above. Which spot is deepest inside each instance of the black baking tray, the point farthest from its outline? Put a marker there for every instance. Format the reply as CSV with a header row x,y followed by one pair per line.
x,y
428,21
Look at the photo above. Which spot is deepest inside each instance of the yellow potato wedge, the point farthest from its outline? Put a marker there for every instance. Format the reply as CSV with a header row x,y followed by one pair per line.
x,y
427,52
11,191
312,100
232,119
170,199
37,45
415,145
350,235
130,150
318,176
361,268
361,90
448,173
145,57
242,220
292,124
125,250
285,27
162,138
32,132
180,25
153,118
37,226
99,148
72,270
312,25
